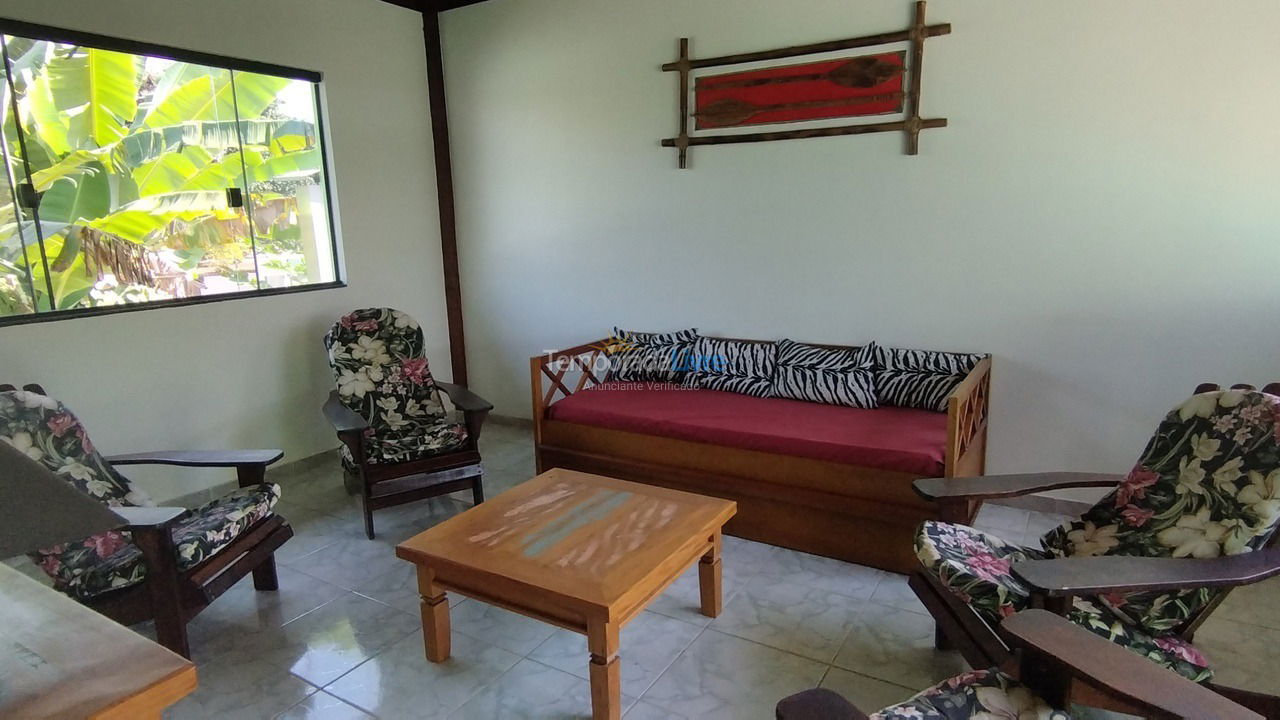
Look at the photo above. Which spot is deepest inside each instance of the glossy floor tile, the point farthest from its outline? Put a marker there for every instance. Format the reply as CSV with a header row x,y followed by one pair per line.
x,y
341,639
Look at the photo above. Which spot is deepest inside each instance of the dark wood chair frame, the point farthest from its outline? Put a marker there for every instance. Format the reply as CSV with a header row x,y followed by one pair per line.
x,y
172,597
1055,658
1055,582
386,485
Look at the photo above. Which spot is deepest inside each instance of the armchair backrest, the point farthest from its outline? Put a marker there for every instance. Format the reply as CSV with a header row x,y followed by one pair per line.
x,y
381,371
46,431
1207,484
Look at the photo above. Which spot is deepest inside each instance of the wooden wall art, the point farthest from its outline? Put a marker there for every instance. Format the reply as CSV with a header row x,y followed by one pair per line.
x,y
852,86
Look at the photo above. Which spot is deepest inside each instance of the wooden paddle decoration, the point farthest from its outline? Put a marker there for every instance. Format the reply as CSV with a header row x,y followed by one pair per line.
x,y
862,72
732,112
805,93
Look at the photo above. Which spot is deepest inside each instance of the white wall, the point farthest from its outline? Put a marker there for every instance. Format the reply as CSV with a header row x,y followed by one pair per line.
x,y
1102,214
252,373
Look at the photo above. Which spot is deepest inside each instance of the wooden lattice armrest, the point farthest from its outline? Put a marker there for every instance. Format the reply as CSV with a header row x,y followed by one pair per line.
x,y
550,372
967,412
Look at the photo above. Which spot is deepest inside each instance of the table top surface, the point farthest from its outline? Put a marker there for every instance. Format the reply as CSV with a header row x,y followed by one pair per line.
x,y
60,659
574,535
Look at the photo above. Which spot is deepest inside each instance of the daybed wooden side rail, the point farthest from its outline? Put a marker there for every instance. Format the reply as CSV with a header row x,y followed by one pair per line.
x,y
564,372
967,412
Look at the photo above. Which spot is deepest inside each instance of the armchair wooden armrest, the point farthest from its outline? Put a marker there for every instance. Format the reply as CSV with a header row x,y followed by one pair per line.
x,y
463,398
817,704
199,458
474,408
343,419
1001,486
142,518
1055,655
1065,577
250,465
1064,649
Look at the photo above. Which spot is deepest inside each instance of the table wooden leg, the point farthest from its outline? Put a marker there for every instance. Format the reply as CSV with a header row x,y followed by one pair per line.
x,y
709,579
606,675
435,616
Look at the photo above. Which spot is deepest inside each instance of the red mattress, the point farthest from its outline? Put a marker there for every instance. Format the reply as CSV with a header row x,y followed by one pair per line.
x,y
888,438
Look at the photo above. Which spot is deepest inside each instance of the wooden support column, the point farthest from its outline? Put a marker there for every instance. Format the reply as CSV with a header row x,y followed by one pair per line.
x,y
682,140
919,31
444,194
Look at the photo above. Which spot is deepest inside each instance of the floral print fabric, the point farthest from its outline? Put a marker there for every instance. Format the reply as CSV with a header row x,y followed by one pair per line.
x,y
976,567
382,375
49,433
111,561
1208,484
977,695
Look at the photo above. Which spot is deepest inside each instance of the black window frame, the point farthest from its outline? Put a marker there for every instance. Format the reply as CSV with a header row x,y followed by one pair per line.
x,y
49,33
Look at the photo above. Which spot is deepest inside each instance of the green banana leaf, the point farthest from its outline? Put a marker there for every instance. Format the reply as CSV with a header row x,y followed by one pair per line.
x,y
214,97
98,91
87,197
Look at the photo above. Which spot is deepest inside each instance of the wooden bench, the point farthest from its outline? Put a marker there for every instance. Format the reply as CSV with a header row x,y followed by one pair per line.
x,y
856,513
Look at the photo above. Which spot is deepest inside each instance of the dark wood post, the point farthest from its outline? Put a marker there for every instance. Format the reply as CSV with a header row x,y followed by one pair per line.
x,y
444,193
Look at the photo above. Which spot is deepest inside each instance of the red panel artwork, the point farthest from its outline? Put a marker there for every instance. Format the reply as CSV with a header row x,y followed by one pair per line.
x,y
844,87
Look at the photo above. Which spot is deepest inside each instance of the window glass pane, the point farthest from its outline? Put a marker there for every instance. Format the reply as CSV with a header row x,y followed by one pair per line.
x,y
132,178
133,156
287,191
19,246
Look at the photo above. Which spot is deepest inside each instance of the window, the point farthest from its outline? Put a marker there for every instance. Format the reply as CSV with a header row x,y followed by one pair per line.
x,y
140,175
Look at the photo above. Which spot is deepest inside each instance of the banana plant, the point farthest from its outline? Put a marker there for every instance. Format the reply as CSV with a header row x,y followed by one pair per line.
x,y
133,156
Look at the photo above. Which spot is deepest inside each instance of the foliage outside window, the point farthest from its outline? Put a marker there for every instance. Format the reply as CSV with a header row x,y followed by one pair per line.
x,y
134,177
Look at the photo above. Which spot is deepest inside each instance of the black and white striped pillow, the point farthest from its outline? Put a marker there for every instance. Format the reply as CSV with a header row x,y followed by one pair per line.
x,y
920,378
844,376
733,366
650,357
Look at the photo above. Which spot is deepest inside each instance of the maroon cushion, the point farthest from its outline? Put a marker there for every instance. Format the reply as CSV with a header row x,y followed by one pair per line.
x,y
889,438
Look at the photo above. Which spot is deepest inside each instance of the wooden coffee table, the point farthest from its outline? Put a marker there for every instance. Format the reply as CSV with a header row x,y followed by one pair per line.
x,y
580,551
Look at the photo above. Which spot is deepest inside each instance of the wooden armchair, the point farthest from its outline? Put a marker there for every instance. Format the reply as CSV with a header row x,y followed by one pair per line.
x,y
167,563
1055,657
398,442
1146,565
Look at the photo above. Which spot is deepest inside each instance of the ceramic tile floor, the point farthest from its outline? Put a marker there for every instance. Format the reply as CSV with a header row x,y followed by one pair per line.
x,y
341,639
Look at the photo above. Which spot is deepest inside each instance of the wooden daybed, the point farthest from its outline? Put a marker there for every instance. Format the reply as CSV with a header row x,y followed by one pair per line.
x,y
813,500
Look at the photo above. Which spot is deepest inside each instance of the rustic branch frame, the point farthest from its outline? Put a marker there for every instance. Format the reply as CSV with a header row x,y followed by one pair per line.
x,y
910,125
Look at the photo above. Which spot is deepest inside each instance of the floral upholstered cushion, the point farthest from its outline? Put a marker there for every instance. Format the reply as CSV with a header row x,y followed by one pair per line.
x,y
1208,484
976,695
976,567
1167,649
46,431
111,561
382,375
430,440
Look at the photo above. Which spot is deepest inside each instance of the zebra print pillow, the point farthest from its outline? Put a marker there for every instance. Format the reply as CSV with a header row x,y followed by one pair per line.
x,y
650,357
823,375
732,366
920,378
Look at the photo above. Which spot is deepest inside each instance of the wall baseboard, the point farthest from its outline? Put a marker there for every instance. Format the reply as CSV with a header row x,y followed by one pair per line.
x,y
511,421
